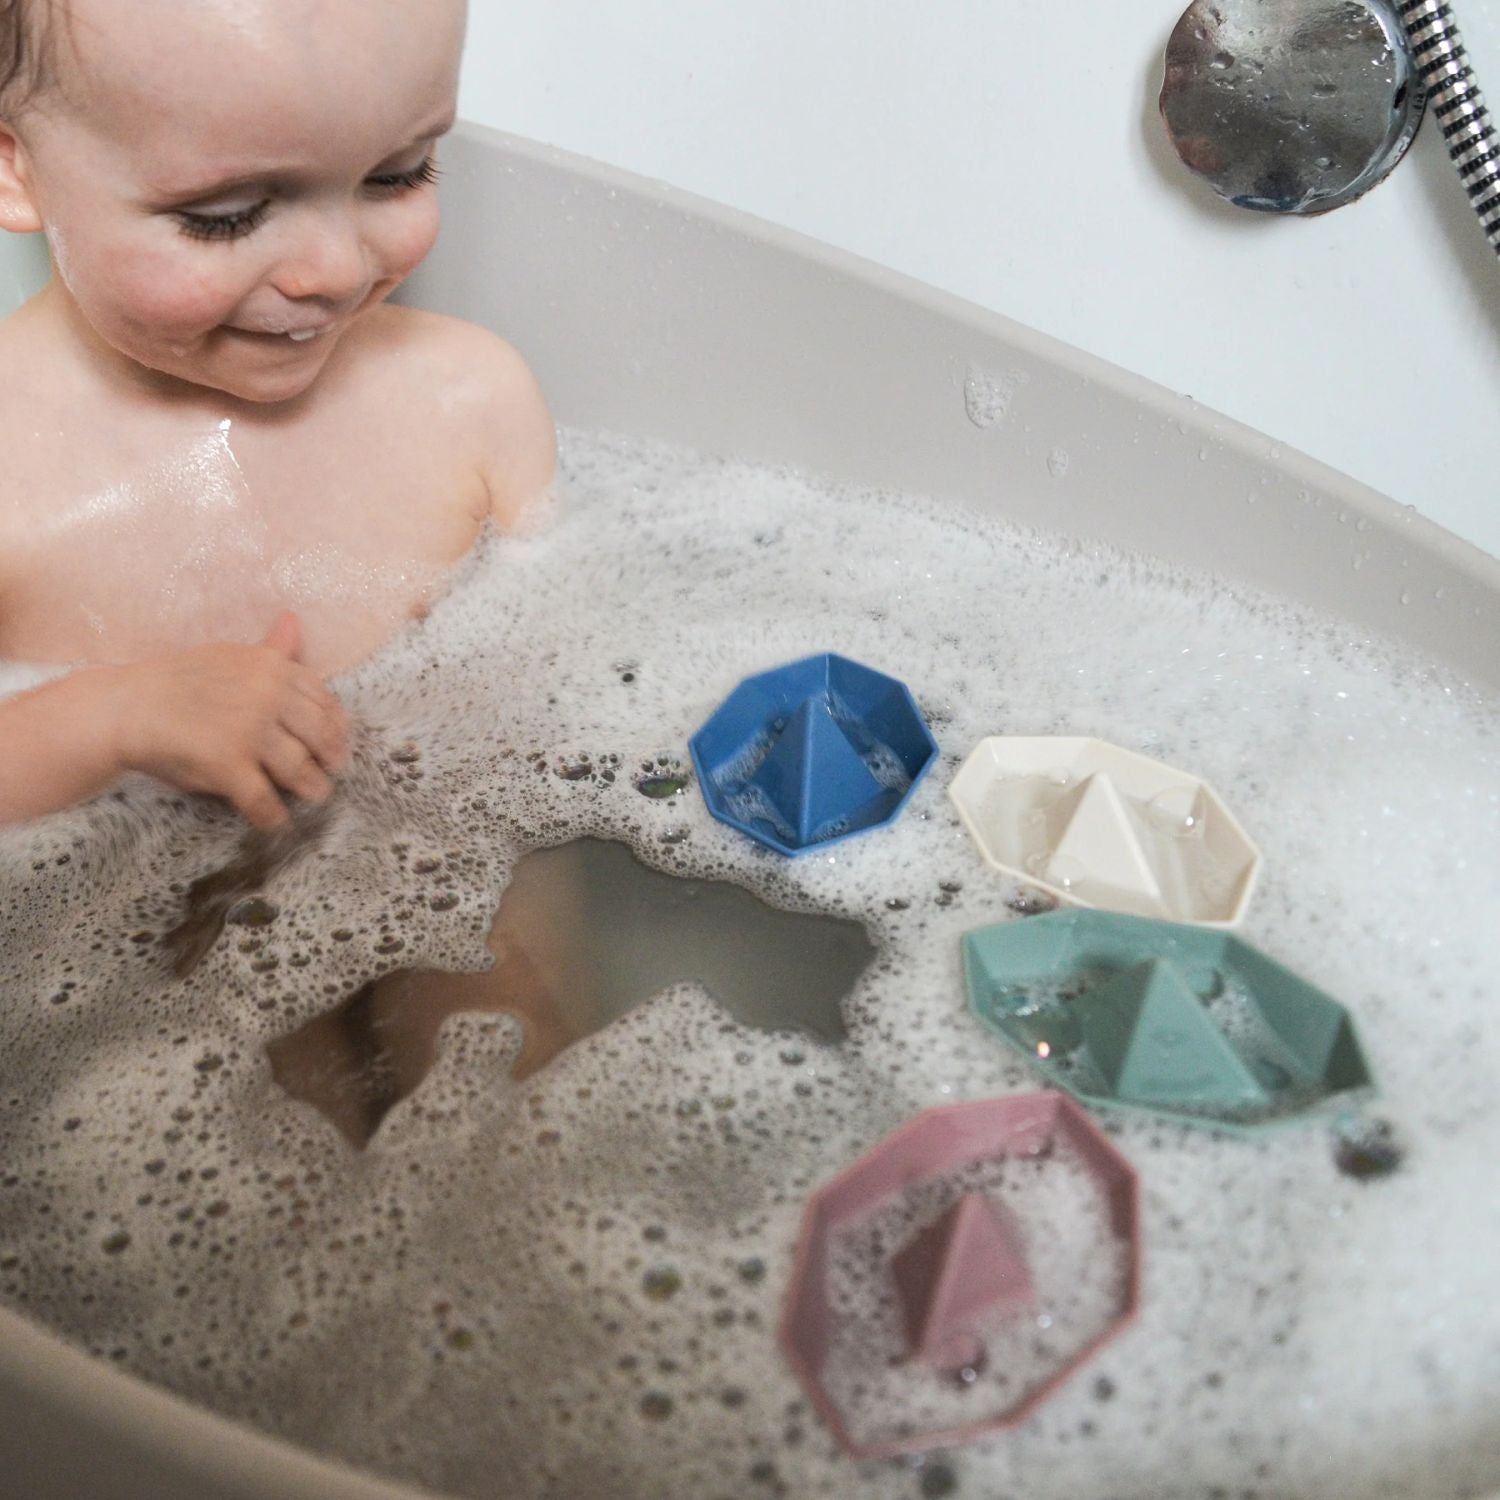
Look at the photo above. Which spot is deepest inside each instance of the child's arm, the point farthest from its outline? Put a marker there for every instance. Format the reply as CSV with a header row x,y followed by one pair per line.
x,y
239,721
521,462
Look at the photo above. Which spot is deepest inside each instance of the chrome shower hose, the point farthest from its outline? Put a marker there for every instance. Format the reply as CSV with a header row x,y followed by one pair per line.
x,y
1457,105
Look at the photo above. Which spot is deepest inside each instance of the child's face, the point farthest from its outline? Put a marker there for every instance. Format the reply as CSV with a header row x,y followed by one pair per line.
x,y
218,177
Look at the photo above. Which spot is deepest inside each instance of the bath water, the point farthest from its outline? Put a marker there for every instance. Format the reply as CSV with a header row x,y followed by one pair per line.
x,y
584,934
569,1284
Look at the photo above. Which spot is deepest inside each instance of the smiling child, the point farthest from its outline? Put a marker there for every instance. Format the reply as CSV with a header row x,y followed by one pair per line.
x,y
232,469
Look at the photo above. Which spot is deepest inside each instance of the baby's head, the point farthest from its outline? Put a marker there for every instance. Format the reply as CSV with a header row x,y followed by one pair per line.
x,y
226,184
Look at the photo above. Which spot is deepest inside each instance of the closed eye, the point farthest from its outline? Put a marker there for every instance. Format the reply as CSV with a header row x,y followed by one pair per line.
x,y
231,226
388,184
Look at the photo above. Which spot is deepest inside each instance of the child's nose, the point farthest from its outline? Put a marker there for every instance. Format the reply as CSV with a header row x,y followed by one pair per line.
x,y
329,262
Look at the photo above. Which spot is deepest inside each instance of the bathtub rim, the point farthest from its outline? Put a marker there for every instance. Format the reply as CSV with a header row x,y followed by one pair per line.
x,y
200,1447
1403,519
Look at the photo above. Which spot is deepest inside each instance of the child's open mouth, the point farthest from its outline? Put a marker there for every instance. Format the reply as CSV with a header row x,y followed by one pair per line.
x,y
292,336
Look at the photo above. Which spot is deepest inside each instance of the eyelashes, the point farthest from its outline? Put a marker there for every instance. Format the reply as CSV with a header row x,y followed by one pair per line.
x,y
242,221
389,183
221,226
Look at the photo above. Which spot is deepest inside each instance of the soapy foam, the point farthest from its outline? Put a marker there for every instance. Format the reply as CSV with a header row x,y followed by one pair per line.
x,y
571,1286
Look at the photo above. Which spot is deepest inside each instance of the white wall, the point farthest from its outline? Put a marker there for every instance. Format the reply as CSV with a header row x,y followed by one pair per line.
x,y
1010,151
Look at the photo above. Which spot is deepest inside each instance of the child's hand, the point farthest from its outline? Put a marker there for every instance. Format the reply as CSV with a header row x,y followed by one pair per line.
x,y
238,721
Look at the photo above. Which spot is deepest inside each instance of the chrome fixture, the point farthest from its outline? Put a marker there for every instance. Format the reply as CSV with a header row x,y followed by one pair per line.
x,y
1290,106
1300,106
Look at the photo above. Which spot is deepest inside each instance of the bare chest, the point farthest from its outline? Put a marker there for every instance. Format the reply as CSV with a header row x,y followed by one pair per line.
x,y
209,538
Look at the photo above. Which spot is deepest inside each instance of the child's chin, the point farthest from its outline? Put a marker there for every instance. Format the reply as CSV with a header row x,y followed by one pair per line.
x,y
262,387
267,391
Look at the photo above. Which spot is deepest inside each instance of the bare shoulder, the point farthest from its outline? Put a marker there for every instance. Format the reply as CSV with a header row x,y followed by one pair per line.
x,y
482,388
464,353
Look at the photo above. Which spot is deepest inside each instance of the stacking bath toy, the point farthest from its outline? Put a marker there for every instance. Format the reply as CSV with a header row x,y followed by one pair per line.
x,y
1096,825
1174,1019
812,752
957,1322
962,1264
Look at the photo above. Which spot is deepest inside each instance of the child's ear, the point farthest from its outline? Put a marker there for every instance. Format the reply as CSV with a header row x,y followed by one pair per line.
x,y
17,207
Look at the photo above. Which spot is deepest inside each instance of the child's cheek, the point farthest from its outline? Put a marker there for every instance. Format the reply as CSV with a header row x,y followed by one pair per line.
x,y
407,248
183,299
152,291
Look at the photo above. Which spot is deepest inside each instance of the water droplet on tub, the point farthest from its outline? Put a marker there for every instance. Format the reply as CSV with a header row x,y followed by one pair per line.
x,y
986,397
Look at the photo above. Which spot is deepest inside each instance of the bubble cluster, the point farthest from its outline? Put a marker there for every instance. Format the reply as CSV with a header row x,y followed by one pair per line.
x,y
571,1285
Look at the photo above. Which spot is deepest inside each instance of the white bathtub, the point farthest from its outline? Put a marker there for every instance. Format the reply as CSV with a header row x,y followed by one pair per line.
x,y
650,312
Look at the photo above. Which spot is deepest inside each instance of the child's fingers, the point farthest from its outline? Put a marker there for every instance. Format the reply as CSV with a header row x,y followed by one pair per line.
x,y
291,764
313,688
342,730
324,730
256,799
